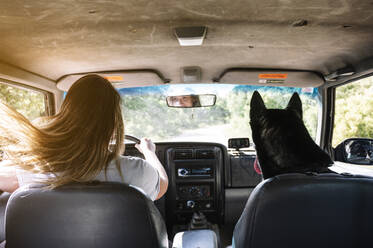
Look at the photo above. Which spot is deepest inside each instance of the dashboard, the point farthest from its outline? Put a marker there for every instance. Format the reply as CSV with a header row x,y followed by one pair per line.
x,y
203,177
196,176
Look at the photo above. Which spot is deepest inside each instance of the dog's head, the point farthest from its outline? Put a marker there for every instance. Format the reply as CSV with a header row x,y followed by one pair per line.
x,y
283,144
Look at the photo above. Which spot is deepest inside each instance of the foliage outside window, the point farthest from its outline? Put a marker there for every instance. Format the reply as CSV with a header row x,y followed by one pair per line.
x,y
353,111
146,113
28,102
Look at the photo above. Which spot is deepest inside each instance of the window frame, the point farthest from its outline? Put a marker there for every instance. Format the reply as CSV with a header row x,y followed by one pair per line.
x,y
330,91
49,101
324,119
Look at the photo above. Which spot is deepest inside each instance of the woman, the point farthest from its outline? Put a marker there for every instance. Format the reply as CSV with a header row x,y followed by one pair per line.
x,y
83,142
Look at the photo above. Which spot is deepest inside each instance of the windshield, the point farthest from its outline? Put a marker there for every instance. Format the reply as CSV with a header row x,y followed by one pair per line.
x,y
146,113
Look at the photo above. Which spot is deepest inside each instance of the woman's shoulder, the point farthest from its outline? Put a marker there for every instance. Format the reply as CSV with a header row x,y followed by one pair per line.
x,y
129,166
130,161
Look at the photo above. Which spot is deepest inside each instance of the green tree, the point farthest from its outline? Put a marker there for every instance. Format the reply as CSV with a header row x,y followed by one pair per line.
x,y
28,102
239,110
353,111
148,114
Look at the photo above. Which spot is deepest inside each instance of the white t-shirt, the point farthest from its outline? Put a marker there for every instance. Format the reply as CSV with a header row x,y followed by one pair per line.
x,y
136,172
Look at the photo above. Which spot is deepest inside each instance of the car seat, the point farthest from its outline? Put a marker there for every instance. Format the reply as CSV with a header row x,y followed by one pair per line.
x,y
308,210
83,215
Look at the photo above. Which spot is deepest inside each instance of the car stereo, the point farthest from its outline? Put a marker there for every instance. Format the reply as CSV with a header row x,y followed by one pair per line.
x,y
195,171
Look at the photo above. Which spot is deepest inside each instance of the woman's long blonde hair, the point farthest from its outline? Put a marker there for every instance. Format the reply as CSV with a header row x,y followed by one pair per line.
x,y
73,144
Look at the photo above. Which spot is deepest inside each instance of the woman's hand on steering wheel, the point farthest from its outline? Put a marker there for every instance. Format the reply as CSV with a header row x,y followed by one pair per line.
x,y
145,146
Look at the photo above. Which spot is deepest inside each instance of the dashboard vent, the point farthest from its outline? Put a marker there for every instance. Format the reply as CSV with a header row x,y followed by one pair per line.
x,y
184,154
205,154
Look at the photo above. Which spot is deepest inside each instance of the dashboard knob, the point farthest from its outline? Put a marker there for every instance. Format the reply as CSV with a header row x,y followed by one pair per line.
x,y
191,204
194,191
183,172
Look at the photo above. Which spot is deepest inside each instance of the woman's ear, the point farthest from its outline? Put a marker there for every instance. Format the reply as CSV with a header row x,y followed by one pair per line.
x,y
295,104
257,106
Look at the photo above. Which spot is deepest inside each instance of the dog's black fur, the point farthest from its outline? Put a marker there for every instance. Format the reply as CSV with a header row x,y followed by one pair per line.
x,y
283,144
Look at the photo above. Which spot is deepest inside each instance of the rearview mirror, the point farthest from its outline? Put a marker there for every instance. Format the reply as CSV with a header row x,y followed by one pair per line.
x,y
355,151
191,101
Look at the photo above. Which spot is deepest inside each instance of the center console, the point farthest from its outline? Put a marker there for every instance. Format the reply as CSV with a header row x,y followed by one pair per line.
x,y
196,183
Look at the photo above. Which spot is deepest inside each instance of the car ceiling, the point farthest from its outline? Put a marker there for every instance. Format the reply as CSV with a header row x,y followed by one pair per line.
x,y
56,38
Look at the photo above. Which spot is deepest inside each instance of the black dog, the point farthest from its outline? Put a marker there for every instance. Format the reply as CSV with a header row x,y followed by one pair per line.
x,y
283,144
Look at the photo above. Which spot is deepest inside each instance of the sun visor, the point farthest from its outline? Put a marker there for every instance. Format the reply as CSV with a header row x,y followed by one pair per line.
x,y
288,78
120,79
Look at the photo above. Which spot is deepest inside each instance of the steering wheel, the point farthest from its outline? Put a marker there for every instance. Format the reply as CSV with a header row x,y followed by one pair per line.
x,y
132,138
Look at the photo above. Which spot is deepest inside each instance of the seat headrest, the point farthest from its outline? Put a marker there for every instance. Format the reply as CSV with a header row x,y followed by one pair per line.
x,y
83,215
298,210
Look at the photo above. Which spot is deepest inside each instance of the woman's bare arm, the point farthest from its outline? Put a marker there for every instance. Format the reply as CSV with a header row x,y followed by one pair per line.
x,y
8,178
147,148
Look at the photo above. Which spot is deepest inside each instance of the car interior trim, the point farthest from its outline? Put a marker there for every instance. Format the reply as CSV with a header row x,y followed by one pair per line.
x,y
131,78
293,78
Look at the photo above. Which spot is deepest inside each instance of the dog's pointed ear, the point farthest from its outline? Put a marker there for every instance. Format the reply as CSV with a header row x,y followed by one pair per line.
x,y
295,104
257,106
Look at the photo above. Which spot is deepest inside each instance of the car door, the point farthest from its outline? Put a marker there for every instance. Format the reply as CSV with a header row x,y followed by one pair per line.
x,y
32,103
352,138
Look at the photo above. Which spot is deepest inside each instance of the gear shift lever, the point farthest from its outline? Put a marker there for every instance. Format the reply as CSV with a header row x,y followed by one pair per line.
x,y
199,221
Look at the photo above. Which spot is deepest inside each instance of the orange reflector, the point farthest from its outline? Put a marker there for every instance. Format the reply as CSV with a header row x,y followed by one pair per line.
x,y
114,78
273,76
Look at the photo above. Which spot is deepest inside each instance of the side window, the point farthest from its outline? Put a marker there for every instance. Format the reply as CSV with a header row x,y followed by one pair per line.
x,y
353,111
29,102
353,125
